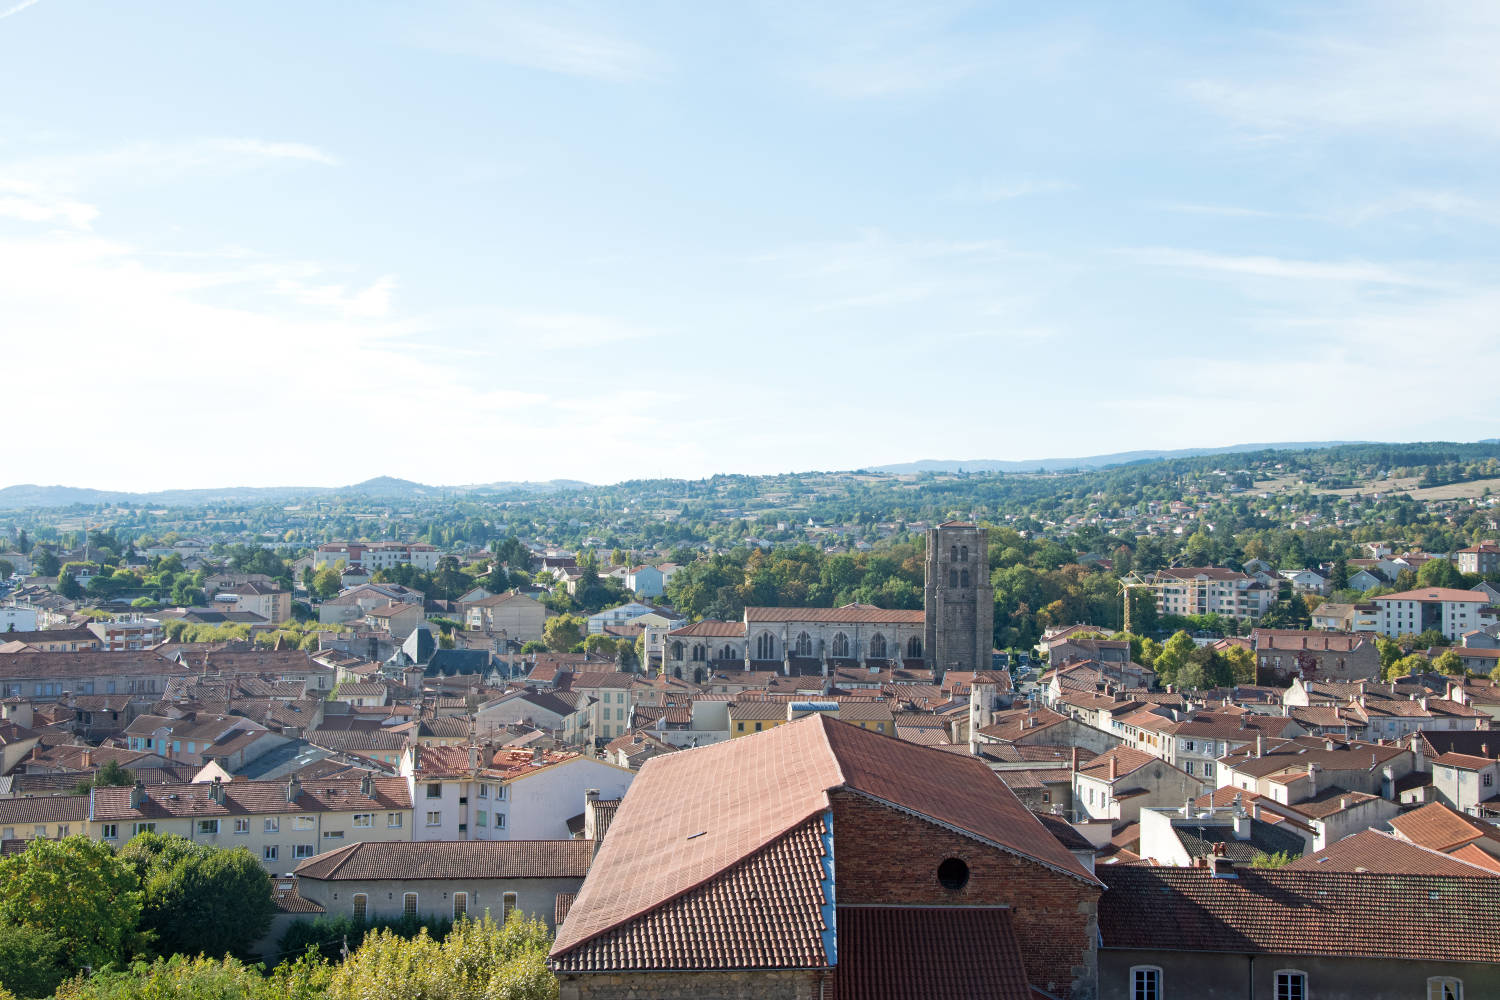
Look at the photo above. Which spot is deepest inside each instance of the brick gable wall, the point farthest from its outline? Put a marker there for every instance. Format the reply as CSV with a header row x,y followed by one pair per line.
x,y
884,856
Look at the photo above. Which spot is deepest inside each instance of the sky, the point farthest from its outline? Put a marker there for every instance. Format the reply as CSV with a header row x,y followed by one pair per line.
x,y
310,243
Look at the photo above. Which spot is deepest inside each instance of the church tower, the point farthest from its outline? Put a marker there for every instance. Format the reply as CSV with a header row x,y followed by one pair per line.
x,y
958,601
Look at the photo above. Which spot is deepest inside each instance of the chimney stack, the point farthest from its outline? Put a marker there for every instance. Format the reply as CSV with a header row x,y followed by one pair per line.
x,y
367,786
216,790
137,794
1114,768
1074,765
293,788
1260,744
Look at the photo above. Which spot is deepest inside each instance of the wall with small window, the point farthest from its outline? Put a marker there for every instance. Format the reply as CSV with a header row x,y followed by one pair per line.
x,y
438,898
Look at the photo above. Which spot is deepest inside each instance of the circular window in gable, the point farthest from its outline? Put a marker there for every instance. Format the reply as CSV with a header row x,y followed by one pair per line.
x,y
953,874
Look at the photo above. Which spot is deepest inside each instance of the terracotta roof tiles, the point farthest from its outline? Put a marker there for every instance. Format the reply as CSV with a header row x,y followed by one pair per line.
x,y
462,859
1283,912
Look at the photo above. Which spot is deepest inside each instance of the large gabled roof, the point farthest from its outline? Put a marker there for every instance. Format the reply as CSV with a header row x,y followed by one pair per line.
x,y
696,818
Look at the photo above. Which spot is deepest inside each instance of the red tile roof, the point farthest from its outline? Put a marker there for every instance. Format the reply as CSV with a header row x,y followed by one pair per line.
x,y
921,952
1373,851
1448,594
739,919
1283,912
861,614
1441,828
461,859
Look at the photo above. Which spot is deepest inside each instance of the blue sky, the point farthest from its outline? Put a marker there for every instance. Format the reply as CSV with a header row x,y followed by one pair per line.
x,y
315,242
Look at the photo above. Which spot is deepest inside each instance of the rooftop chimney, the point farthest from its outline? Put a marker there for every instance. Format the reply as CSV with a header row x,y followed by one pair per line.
x,y
1075,760
293,788
367,786
1260,744
1114,769
1241,825
1312,780
137,794
216,790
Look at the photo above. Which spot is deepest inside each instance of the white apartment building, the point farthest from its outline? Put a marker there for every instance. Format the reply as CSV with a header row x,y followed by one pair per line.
x,y
485,793
377,555
1205,590
1451,612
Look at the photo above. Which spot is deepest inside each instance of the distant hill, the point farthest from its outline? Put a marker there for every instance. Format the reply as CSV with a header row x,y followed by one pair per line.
x,y
388,487
1093,461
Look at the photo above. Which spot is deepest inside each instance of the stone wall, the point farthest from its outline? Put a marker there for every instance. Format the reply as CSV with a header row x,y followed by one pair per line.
x,y
884,856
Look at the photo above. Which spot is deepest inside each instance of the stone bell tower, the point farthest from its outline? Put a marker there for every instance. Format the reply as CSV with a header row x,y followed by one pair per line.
x,y
958,601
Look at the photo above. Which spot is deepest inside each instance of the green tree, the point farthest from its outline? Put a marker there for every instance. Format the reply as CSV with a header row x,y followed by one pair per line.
x,y
1390,651
478,959
182,978
1439,573
563,632
1338,577
67,586
533,646
46,563
32,960
199,899
1241,663
326,583
1415,663
1174,655
77,889
1449,663
111,775
1279,859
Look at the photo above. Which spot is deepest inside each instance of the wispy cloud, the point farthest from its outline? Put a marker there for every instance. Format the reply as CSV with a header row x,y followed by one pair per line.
x,y
554,38
998,191
1424,68
864,51
17,8
1360,272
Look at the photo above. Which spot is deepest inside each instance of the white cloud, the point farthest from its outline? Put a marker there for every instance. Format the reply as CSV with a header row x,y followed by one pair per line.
x,y
1375,67
554,38
17,8
997,191
1361,272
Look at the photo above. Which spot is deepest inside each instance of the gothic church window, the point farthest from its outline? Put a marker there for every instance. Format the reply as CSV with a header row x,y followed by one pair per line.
x,y
877,646
841,645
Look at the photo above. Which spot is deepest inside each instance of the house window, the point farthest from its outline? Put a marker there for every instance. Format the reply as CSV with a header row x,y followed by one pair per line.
x,y
484,791
361,907
434,819
963,578
142,828
209,827
272,825
1187,766
111,831
434,790
1291,985
1445,988
333,834
953,578
1489,780
242,826
393,821
499,821
302,823
460,905
364,819
510,905
408,904
482,818
302,851
1145,982
269,854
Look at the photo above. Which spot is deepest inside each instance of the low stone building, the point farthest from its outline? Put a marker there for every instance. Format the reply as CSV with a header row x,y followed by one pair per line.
x,y
446,880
